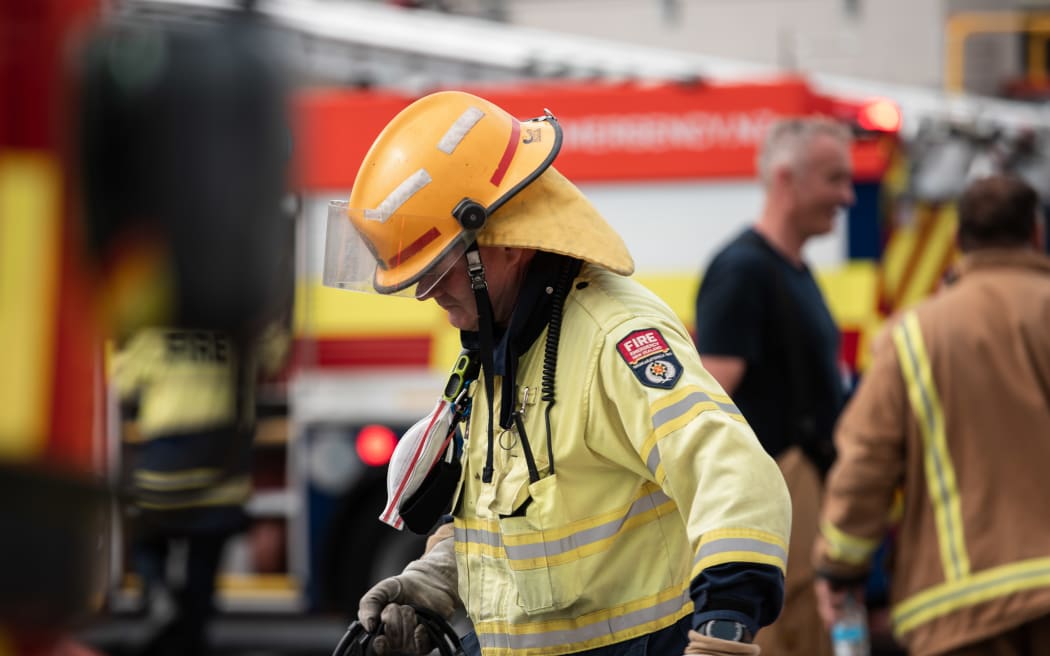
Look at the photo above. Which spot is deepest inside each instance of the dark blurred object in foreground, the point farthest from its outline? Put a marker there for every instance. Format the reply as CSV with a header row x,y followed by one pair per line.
x,y
184,151
52,529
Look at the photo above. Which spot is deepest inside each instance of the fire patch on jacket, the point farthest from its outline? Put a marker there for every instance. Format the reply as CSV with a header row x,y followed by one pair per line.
x,y
651,359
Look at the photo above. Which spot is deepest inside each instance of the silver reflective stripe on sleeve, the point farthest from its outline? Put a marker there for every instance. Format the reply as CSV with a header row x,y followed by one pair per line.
x,y
679,408
942,485
845,547
739,545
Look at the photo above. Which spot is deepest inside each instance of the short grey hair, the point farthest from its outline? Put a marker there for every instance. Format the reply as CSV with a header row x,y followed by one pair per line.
x,y
787,138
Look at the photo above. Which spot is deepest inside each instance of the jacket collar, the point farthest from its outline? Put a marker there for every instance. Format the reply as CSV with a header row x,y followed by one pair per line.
x,y
1015,258
531,310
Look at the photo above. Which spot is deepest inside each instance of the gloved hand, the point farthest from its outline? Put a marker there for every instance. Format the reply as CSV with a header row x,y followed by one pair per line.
x,y
429,582
708,646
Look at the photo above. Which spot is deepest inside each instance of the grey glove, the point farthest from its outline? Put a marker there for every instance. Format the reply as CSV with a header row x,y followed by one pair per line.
x,y
429,582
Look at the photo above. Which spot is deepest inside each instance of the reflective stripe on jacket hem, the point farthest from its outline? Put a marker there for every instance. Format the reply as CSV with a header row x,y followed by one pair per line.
x,y
972,590
184,479
589,631
233,492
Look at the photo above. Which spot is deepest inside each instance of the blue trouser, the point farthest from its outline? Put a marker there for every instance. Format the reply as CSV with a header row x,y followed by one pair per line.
x,y
670,641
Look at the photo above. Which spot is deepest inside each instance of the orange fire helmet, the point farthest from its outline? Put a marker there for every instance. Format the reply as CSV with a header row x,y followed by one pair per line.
x,y
435,180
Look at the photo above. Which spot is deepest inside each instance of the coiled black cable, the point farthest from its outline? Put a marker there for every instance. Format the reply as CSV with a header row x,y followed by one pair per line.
x,y
357,641
550,347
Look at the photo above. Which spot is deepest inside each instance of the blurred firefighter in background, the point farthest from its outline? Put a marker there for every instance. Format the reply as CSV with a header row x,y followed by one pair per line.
x,y
184,153
955,411
189,470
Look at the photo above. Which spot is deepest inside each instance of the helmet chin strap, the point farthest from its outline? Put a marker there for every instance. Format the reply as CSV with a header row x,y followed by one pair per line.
x,y
486,321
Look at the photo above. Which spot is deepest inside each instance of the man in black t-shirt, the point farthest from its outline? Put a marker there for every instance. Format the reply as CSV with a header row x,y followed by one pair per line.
x,y
765,333
758,306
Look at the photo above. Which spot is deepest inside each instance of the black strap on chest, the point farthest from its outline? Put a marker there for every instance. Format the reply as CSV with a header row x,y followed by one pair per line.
x,y
568,268
511,415
476,271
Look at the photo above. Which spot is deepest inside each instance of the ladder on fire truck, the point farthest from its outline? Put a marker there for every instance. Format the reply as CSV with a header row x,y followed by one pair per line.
x,y
375,45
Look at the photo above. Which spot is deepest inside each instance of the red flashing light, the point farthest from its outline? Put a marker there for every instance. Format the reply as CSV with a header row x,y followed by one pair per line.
x,y
880,116
375,445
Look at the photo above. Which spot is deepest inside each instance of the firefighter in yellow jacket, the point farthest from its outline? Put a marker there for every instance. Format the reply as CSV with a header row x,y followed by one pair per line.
x,y
954,412
612,498
189,464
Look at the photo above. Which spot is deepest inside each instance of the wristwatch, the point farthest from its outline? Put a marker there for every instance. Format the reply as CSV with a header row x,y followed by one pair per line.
x,y
725,630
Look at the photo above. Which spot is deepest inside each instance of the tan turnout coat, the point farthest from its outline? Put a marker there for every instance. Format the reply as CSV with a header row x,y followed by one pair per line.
x,y
954,413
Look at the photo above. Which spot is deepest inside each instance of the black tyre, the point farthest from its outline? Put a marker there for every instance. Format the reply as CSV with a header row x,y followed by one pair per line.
x,y
362,550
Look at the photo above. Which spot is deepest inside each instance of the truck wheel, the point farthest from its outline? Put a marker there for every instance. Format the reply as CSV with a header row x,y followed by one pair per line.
x,y
362,551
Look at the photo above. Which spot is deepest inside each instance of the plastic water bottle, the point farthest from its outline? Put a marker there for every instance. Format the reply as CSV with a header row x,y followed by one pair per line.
x,y
849,635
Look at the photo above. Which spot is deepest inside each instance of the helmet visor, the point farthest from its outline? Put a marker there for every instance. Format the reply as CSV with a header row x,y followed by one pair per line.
x,y
392,256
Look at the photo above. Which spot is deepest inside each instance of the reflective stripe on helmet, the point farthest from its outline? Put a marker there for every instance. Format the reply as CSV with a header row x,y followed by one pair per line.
x,y
413,248
508,153
407,189
468,119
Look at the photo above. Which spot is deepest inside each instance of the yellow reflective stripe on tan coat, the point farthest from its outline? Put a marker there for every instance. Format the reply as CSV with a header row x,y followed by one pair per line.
x,y
974,589
961,588
983,341
940,474
845,547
